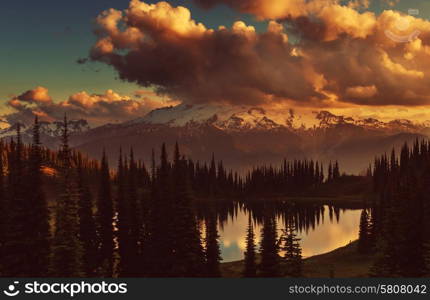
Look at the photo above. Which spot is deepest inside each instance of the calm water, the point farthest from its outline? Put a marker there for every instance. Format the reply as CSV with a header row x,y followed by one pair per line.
x,y
328,230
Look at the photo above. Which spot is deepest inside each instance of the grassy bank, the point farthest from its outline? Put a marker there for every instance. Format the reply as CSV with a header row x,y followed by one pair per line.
x,y
344,262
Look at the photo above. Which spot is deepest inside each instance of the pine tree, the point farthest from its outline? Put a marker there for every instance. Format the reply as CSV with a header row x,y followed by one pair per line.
x,y
19,223
87,225
336,171
212,177
135,217
67,248
330,172
250,255
39,231
189,259
213,253
124,240
105,220
293,252
159,254
364,234
269,248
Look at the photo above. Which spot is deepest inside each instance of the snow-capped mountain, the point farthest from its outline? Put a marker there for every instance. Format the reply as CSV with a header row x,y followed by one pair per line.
x,y
329,120
241,136
221,117
246,136
242,118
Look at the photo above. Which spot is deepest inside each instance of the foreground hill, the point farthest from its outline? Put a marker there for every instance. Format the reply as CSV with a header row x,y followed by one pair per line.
x,y
344,262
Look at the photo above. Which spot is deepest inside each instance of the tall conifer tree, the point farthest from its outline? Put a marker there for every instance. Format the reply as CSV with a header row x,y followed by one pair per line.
x,y
67,248
105,220
123,208
250,269
269,248
213,253
18,238
293,252
40,229
188,250
364,233
87,224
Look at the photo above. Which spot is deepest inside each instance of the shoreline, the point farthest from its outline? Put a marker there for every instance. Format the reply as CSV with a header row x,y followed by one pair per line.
x,y
343,262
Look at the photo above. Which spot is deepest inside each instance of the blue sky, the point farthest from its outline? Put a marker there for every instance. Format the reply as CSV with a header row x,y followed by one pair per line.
x,y
42,40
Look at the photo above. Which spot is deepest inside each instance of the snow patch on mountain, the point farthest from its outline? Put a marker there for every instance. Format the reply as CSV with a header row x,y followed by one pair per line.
x,y
237,118
222,117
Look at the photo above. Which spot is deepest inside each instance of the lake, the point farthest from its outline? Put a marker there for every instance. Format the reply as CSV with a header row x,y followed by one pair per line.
x,y
321,229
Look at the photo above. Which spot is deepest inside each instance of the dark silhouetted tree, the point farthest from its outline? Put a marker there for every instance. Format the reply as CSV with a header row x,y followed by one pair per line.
x,y
87,224
39,228
105,220
293,252
67,248
250,269
269,248
212,251
364,245
189,258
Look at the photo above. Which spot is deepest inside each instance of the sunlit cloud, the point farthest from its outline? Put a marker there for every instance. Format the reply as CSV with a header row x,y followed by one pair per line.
x,y
340,54
97,109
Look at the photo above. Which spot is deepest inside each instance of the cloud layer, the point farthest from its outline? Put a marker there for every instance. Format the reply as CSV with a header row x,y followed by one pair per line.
x,y
96,109
340,53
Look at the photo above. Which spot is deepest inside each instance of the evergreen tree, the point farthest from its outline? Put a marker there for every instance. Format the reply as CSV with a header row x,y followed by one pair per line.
x,y
67,248
159,253
15,246
212,177
20,234
135,217
364,234
189,256
336,171
269,248
293,252
87,225
250,255
105,220
39,228
330,172
213,253
124,239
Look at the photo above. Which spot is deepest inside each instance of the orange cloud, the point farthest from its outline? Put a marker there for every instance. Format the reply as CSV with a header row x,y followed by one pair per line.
x,y
341,53
37,95
97,109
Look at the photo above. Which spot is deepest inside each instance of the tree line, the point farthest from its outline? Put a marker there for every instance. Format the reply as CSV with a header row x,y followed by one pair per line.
x,y
291,178
138,224
133,222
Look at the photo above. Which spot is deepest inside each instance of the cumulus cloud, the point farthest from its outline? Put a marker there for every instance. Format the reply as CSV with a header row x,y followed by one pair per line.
x,y
340,53
160,45
97,109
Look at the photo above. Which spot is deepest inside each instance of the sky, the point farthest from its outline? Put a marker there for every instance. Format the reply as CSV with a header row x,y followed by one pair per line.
x,y
45,39
310,54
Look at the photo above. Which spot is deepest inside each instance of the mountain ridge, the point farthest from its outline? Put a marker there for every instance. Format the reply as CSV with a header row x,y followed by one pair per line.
x,y
242,137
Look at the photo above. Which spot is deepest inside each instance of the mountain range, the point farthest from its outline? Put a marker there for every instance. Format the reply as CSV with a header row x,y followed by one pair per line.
x,y
241,136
